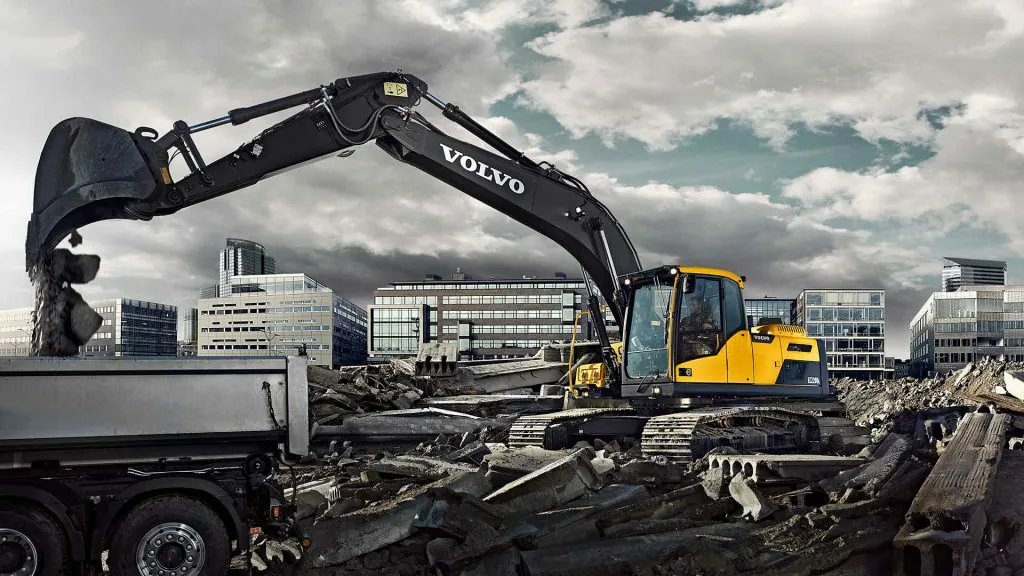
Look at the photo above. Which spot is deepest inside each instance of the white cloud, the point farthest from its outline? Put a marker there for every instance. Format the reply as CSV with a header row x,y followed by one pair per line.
x,y
873,63
495,15
974,179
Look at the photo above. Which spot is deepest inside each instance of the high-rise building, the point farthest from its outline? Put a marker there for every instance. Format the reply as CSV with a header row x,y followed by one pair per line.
x,y
493,318
239,258
209,291
954,328
188,332
957,272
769,310
852,325
274,314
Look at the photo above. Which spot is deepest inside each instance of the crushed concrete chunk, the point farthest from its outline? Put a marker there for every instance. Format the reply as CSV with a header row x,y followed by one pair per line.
x,y
337,540
557,483
755,506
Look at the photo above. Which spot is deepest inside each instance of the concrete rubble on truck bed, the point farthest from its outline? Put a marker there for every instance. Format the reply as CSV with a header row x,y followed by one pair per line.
x,y
435,488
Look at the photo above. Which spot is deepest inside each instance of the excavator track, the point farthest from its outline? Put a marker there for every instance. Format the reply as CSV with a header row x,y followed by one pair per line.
x,y
687,436
681,436
550,431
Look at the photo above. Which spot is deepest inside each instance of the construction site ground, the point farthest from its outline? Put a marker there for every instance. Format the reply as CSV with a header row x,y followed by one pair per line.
x,y
418,478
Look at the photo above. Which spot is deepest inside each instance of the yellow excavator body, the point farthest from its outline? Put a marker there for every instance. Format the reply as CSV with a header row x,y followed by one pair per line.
x,y
743,355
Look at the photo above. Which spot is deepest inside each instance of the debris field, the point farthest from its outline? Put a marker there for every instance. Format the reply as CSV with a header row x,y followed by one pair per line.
x,y
418,479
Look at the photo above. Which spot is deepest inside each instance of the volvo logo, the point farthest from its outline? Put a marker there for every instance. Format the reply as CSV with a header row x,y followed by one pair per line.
x,y
470,164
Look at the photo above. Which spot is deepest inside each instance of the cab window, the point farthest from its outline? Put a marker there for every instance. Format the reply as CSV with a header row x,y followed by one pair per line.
x,y
734,317
647,347
700,321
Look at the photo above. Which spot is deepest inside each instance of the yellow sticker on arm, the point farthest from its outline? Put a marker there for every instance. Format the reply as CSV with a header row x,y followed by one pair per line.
x,y
396,89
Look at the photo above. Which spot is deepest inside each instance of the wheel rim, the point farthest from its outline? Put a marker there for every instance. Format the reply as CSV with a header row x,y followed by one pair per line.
x,y
171,549
18,555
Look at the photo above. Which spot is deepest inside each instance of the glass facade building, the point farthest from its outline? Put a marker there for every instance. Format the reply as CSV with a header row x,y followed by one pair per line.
x,y
273,314
494,318
957,272
129,328
769,310
954,328
239,258
852,325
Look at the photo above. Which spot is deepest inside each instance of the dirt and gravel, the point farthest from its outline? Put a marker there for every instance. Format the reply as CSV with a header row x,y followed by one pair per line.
x,y
469,504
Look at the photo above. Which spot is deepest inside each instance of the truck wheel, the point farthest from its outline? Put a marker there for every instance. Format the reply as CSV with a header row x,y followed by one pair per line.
x,y
31,543
170,535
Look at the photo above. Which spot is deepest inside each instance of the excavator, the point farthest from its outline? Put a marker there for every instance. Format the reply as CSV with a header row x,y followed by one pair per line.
x,y
687,375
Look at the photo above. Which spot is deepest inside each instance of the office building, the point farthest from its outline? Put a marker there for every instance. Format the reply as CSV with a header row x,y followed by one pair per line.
x,y
852,325
209,291
16,332
240,258
129,328
188,332
954,328
493,318
134,328
769,310
957,272
275,314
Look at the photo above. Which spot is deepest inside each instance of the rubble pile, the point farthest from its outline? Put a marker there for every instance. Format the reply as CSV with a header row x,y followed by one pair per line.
x,y
882,404
335,394
462,502
602,511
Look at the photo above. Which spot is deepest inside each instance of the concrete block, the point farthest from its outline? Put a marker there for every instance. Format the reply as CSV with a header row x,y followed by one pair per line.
x,y
555,484
809,467
337,540
1014,384
874,474
755,506
947,519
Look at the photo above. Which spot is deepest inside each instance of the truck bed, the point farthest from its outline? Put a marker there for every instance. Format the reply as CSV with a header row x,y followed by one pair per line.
x,y
89,409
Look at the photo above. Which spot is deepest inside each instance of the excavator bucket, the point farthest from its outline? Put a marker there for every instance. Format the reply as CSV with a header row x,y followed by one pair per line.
x,y
88,171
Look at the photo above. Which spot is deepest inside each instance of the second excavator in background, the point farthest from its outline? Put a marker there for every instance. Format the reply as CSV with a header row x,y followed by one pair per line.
x,y
688,374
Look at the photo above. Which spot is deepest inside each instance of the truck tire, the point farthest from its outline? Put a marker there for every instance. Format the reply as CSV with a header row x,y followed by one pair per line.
x,y
176,534
32,541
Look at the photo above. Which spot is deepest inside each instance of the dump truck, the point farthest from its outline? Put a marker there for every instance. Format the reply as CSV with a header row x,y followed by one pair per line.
x,y
166,463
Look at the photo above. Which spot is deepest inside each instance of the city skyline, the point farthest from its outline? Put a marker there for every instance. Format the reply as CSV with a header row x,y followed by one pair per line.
x,y
893,147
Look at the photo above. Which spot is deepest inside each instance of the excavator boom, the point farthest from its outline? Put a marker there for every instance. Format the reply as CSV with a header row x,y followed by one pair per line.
x,y
91,171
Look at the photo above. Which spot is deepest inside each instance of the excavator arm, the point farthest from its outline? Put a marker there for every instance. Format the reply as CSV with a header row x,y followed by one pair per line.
x,y
91,171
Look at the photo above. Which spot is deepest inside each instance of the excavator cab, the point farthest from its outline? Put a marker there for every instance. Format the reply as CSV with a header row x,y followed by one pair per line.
x,y
687,334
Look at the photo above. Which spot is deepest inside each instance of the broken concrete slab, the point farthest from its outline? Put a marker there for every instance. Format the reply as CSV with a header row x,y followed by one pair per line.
x,y
760,467
664,506
578,520
456,515
507,464
503,376
402,426
473,452
557,483
418,467
495,404
874,474
946,521
755,506
1014,384
337,540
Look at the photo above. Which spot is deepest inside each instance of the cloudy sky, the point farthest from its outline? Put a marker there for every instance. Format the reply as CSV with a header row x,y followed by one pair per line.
x,y
803,143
